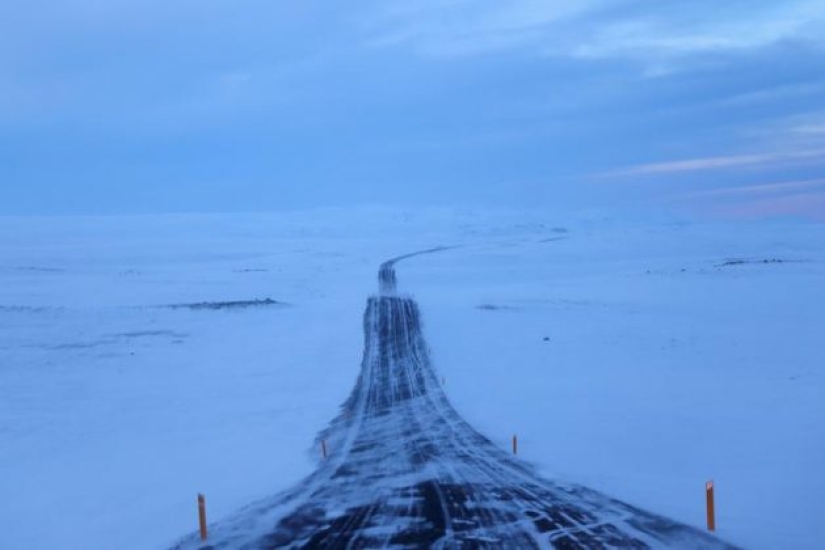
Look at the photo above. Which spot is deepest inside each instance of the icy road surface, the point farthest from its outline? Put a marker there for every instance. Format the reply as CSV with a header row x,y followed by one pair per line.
x,y
404,470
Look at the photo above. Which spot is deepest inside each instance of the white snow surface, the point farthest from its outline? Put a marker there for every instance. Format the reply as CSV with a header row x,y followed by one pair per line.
x,y
638,359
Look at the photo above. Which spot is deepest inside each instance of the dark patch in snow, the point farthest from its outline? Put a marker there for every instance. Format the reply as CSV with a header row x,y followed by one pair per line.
x,y
746,261
237,304
39,269
251,270
560,303
494,307
151,333
28,309
81,345
113,339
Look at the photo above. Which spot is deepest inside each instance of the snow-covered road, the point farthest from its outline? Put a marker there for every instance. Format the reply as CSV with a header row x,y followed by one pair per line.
x,y
403,469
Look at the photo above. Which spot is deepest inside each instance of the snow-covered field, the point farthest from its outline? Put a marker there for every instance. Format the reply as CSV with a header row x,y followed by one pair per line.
x,y
638,359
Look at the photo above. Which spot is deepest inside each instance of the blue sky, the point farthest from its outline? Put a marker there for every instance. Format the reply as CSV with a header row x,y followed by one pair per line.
x,y
121,106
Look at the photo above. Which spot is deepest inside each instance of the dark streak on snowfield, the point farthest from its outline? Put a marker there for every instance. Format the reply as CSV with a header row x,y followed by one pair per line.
x,y
406,471
237,304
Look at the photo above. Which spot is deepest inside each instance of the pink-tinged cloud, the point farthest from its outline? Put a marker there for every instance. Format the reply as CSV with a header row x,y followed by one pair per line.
x,y
798,198
716,163
756,190
804,205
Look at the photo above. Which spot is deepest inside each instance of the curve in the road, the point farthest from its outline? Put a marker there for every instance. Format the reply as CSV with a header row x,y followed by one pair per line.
x,y
406,471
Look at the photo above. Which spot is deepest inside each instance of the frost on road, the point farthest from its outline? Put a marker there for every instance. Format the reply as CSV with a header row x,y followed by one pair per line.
x,y
404,470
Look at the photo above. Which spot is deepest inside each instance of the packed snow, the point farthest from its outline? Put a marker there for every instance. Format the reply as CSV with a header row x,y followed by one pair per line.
x,y
402,469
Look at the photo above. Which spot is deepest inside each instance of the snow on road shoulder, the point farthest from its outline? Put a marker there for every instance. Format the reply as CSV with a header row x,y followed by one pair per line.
x,y
635,363
662,367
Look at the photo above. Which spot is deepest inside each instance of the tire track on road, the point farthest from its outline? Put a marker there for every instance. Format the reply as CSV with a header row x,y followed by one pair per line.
x,y
406,471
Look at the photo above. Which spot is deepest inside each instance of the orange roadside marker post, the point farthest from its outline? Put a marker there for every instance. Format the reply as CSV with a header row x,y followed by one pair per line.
x,y
711,506
515,444
202,515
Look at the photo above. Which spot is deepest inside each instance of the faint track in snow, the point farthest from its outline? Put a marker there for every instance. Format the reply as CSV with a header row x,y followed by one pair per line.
x,y
406,471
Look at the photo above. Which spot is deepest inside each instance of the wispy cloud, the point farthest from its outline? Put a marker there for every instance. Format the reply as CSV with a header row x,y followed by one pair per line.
x,y
595,29
721,162
781,187
685,33
809,127
464,27
781,92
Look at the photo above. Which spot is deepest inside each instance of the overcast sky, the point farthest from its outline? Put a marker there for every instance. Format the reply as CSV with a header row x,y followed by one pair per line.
x,y
705,107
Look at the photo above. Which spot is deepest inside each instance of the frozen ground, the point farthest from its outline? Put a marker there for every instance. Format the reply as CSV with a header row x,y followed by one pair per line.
x,y
401,469
636,360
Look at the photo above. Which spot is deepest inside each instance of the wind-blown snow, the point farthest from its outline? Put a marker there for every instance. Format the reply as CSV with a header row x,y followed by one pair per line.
x,y
668,362
402,469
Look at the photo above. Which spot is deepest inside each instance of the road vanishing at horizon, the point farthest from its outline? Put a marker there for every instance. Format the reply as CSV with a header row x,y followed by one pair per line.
x,y
404,470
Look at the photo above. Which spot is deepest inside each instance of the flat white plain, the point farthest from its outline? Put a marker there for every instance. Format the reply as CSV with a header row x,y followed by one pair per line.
x,y
639,359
